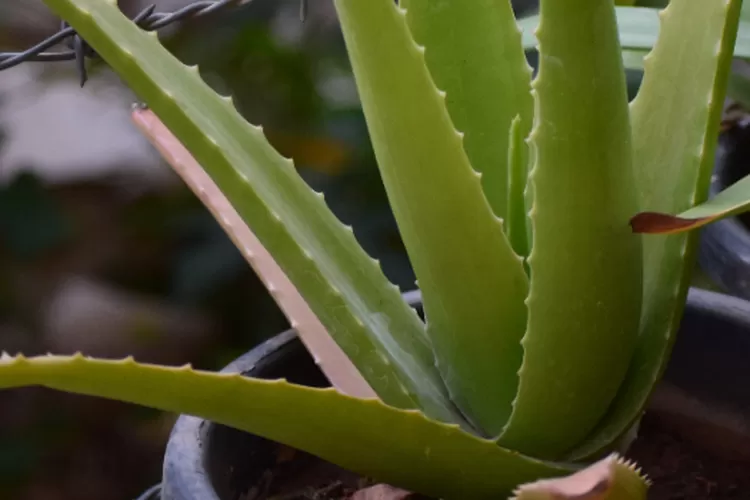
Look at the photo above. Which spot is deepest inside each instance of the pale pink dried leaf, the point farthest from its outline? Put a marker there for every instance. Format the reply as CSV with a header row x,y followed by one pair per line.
x,y
383,492
608,479
331,359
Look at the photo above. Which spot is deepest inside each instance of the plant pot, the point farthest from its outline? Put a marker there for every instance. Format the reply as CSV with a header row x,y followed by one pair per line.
x,y
696,433
724,254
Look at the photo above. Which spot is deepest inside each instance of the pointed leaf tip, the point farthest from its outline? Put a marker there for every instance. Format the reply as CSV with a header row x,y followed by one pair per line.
x,y
671,177
404,447
243,165
659,223
733,200
476,286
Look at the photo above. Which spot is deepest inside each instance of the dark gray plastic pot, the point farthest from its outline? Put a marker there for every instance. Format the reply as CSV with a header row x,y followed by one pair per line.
x,y
725,245
705,389
205,461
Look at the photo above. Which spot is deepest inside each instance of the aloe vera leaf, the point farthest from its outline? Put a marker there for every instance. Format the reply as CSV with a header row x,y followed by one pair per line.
x,y
343,286
733,200
675,131
517,221
639,30
585,264
473,285
611,478
474,54
401,447
328,355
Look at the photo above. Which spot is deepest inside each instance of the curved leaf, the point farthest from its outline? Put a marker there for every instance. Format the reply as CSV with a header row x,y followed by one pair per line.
x,y
343,286
400,447
611,478
473,285
474,53
517,221
733,200
329,357
675,131
584,303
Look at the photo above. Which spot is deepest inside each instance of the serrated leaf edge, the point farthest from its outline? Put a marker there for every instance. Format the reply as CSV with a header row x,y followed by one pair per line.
x,y
81,14
215,396
591,448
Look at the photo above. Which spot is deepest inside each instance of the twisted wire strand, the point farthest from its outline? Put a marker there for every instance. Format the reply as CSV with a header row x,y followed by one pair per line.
x,y
148,20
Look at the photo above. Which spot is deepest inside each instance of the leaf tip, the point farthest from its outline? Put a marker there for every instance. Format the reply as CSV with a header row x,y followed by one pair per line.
x,y
611,477
659,223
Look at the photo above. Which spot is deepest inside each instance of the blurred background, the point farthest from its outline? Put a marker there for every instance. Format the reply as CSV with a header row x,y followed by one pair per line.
x,y
103,249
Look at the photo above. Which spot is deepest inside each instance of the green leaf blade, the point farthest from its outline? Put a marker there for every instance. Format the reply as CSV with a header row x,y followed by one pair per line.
x,y
639,30
344,287
473,285
584,303
732,201
517,220
397,446
675,131
474,53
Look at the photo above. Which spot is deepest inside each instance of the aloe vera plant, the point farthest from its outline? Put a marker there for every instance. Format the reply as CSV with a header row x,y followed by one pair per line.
x,y
548,321
639,29
638,24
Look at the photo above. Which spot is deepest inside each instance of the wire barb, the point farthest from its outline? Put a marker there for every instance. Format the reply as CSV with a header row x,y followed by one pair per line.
x,y
148,20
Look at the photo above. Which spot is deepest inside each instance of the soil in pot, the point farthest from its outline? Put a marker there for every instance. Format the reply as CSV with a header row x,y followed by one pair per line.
x,y
682,470
300,476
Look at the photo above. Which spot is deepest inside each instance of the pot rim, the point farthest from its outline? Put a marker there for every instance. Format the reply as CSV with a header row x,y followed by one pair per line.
x,y
184,455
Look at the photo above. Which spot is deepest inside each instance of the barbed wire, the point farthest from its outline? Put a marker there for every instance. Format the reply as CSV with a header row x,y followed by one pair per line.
x,y
148,20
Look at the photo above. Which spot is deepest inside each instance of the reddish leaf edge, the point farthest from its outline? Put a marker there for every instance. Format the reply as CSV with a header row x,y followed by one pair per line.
x,y
660,223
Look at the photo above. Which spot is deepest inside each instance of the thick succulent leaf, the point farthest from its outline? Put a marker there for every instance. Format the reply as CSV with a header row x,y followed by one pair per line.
x,y
733,200
639,30
585,294
517,222
401,447
473,284
474,53
611,478
328,355
344,287
675,130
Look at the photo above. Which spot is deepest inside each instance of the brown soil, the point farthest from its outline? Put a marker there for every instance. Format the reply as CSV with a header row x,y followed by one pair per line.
x,y
681,470
300,476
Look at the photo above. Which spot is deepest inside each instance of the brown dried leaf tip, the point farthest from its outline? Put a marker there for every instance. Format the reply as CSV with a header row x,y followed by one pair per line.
x,y
658,223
